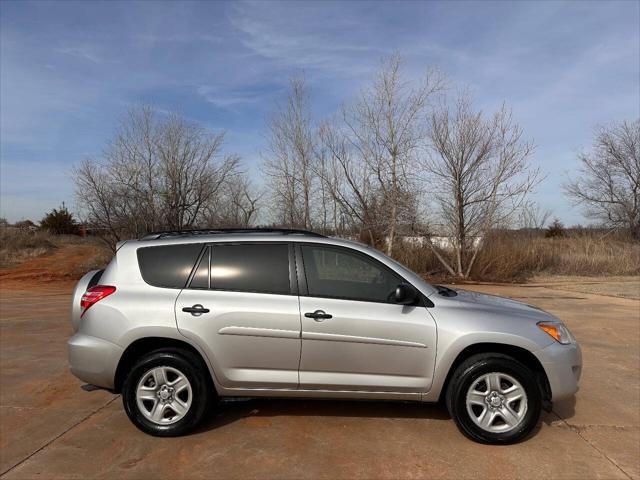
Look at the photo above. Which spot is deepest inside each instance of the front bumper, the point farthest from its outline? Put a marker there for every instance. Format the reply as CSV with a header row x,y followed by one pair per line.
x,y
93,360
563,366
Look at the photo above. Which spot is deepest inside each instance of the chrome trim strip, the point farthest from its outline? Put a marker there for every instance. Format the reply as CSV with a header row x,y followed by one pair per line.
x,y
334,337
259,332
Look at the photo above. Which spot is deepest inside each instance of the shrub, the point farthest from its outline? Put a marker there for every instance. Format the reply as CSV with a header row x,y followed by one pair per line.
x,y
556,229
60,222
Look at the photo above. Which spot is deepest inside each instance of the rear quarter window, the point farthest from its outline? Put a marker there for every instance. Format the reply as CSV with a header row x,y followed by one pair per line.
x,y
168,266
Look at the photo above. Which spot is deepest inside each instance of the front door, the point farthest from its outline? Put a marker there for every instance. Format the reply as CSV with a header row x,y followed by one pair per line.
x,y
354,337
240,307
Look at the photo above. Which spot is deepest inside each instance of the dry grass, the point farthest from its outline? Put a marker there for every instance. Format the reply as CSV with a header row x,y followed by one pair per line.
x,y
512,256
509,256
418,259
98,260
17,245
22,247
516,256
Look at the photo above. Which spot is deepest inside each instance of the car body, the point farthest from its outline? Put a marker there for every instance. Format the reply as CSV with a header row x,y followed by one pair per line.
x,y
295,314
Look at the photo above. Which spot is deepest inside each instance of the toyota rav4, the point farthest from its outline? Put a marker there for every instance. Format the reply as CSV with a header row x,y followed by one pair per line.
x,y
179,319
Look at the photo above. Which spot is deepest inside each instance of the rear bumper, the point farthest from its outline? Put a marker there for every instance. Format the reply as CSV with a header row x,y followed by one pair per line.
x,y
93,360
563,366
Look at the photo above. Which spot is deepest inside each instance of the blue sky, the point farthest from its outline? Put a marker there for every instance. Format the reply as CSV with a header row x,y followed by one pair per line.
x,y
69,70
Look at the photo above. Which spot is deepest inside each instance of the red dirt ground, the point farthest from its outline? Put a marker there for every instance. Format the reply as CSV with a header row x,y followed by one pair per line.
x,y
64,266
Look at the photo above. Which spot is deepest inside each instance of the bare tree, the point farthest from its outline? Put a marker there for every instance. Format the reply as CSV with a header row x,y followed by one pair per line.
x,y
190,176
347,182
383,132
237,204
532,216
479,174
609,181
158,172
288,161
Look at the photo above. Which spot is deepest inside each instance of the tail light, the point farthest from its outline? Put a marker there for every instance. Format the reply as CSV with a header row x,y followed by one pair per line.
x,y
94,295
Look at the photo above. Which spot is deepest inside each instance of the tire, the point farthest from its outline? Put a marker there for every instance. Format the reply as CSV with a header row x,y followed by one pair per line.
x,y
494,399
175,392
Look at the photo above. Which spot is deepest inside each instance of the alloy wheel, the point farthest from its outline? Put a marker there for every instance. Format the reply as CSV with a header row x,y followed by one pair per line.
x,y
496,402
164,395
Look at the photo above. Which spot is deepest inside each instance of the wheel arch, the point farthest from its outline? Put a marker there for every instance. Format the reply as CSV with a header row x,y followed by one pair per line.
x,y
144,345
520,354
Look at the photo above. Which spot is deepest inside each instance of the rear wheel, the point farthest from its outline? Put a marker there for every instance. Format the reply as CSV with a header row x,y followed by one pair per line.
x,y
166,392
494,399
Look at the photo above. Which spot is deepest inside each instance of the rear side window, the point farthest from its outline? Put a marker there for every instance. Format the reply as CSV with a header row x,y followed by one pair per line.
x,y
168,265
259,268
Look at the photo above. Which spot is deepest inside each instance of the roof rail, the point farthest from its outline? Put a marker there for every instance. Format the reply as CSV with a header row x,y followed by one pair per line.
x,y
216,231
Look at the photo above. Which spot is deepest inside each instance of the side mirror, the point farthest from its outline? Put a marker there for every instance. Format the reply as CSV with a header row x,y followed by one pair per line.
x,y
405,294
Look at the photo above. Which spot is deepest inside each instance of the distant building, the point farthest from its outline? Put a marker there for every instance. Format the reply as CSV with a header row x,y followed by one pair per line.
x,y
442,242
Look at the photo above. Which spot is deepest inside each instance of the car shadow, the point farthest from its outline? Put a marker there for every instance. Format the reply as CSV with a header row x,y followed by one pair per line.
x,y
230,410
233,410
562,409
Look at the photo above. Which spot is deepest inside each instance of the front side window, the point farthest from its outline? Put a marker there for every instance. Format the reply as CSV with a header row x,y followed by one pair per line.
x,y
339,273
259,268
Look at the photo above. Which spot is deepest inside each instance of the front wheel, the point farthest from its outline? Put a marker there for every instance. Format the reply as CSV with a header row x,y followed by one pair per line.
x,y
166,393
494,399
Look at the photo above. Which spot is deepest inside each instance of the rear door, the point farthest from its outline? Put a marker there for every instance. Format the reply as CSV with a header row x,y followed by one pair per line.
x,y
241,306
354,337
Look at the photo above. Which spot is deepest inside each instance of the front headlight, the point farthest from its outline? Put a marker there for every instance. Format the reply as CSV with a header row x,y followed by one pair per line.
x,y
558,331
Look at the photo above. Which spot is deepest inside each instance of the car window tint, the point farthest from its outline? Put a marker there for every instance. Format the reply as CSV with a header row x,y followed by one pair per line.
x,y
201,276
261,268
168,265
339,273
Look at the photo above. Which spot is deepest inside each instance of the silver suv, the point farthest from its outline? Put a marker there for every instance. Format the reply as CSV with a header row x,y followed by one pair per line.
x,y
178,319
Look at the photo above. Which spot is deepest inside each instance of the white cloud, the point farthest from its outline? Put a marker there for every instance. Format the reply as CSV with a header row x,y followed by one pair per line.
x,y
84,52
226,97
309,38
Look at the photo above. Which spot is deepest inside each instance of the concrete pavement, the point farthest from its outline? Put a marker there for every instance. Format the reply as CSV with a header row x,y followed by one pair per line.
x,y
51,428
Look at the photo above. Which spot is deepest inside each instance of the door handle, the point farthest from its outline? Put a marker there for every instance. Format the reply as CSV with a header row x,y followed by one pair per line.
x,y
318,315
196,310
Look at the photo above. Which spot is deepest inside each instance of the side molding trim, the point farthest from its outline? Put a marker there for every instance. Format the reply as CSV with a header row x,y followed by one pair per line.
x,y
259,332
333,337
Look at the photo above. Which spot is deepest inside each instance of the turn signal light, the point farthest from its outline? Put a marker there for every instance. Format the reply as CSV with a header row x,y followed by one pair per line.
x,y
558,331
